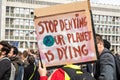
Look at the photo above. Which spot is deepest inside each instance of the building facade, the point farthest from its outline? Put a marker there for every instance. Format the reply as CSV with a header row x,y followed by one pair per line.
x,y
17,25
16,21
106,20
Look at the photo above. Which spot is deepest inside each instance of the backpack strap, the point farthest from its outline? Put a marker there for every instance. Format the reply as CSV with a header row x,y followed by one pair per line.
x,y
72,70
5,58
33,72
77,74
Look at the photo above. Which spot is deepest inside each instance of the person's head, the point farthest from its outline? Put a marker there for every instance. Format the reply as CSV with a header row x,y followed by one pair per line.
x,y
107,44
13,51
20,54
32,51
25,54
31,59
4,44
4,51
100,43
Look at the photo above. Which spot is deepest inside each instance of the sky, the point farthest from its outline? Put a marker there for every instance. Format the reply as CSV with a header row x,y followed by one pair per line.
x,y
113,2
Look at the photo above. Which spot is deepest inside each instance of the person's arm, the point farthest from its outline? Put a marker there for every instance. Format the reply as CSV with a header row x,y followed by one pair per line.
x,y
42,72
43,78
107,67
58,74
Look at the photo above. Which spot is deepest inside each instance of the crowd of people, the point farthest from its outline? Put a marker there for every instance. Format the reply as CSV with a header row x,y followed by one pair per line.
x,y
25,63
28,67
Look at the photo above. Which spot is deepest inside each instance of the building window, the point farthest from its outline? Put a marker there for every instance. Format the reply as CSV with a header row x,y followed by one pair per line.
x,y
21,22
11,32
108,38
17,10
21,45
31,23
7,9
11,21
16,21
109,19
12,9
16,32
101,18
6,32
117,20
27,11
22,11
26,44
97,18
31,44
27,22
31,10
7,20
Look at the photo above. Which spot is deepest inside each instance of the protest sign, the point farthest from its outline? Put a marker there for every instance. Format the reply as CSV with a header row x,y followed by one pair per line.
x,y
65,34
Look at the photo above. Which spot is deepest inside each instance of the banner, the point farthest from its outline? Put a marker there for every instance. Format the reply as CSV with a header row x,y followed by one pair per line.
x,y
65,34
14,43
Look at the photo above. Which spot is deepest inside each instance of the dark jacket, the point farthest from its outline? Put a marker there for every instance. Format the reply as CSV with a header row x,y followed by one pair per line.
x,y
105,68
5,69
28,72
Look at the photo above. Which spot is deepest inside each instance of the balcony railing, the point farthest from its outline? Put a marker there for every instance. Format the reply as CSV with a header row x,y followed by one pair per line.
x,y
11,37
11,14
7,13
22,27
27,27
19,26
31,38
7,25
22,15
12,26
31,27
19,15
16,26
19,37
6,37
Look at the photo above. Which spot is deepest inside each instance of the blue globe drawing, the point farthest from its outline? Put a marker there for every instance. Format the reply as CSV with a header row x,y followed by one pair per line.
x,y
48,40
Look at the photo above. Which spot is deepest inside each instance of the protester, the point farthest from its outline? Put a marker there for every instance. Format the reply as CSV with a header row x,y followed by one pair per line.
x,y
35,54
20,55
67,72
58,74
5,68
31,71
105,68
5,64
13,55
24,57
5,44
42,71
